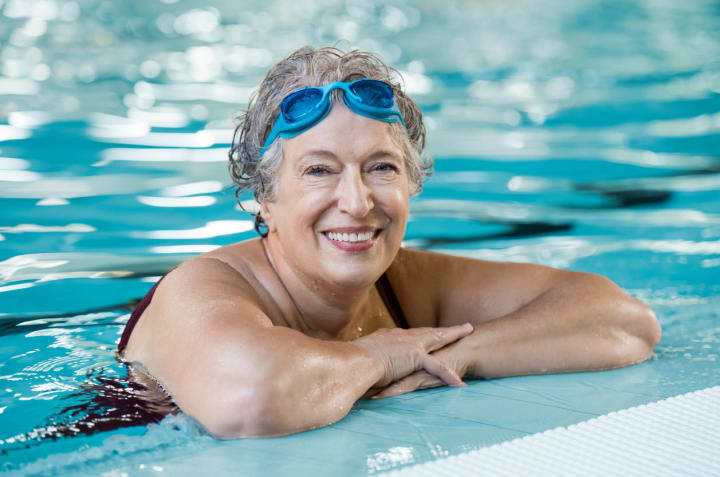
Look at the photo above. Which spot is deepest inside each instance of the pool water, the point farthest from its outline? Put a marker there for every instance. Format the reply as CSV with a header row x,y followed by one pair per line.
x,y
577,134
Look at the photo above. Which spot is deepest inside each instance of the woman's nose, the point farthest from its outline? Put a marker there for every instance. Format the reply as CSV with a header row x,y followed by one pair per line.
x,y
354,195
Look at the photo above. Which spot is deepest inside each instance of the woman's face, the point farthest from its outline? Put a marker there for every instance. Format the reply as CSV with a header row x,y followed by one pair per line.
x,y
341,206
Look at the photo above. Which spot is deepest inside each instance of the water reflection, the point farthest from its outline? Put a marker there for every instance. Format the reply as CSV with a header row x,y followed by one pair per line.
x,y
393,457
194,201
161,155
230,42
211,229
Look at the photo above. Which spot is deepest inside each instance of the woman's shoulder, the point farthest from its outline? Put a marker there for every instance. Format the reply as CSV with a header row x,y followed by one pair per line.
x,y
232,269
199,294
418,263
244,257
205,290
428,283
240,272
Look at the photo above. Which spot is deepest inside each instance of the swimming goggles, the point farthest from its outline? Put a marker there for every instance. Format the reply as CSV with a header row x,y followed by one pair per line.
x,y
304,108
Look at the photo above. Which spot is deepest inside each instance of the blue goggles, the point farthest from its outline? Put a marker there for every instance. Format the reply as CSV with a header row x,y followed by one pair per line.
x,y
304,108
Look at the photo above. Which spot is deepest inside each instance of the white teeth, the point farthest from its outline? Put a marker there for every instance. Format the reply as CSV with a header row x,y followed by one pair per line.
x,y
351,238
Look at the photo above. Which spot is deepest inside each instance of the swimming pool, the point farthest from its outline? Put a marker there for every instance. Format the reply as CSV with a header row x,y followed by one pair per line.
x,y
581,135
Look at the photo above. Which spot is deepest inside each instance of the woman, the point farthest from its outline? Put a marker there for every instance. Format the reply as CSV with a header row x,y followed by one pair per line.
x,y
284,333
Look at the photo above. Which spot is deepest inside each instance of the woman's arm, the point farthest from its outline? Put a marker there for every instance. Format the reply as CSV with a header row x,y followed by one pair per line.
x,y
211,345
582,322
530,319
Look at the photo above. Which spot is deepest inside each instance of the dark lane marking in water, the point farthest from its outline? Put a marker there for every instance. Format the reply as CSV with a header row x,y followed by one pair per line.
x,y
624,198
525,229
617,199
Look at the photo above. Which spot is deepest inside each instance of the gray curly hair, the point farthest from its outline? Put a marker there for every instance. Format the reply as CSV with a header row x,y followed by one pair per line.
x,y
315,67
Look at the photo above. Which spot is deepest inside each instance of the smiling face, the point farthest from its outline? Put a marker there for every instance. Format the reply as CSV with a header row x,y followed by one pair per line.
x,y
341,206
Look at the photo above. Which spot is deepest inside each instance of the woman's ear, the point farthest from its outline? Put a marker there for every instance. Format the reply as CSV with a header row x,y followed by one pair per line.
x,y
267,216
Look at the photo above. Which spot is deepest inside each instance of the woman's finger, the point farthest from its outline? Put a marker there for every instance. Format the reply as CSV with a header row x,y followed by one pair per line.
x,y
442,371
418,380
437,338
372,392
405,385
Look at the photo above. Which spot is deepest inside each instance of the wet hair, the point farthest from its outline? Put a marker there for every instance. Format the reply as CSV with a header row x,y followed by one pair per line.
x,y
316,67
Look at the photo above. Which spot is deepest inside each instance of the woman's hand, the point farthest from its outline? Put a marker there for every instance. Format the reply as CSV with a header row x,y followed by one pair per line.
x,y
402,353
451,356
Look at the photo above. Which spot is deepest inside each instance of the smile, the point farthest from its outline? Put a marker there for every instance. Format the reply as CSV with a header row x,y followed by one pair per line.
x,y
351,238
355,241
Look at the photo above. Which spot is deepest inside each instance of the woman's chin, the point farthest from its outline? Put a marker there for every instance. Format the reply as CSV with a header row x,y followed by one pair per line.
x,y
353,276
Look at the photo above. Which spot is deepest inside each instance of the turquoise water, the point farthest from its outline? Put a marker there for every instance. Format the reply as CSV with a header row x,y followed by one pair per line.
x,y
581,135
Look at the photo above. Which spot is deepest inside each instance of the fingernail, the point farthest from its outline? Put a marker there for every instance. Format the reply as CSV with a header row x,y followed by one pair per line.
x,y
469,326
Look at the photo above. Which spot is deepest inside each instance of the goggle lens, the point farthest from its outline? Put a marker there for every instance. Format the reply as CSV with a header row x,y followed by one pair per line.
x,y
373,93
298,104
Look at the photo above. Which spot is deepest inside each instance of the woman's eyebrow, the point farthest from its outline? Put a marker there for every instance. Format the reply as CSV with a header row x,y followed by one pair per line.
x,y
317,153
384,153
326,154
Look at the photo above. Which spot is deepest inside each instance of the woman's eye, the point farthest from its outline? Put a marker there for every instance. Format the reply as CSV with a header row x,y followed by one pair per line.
x,y
385,167
317,171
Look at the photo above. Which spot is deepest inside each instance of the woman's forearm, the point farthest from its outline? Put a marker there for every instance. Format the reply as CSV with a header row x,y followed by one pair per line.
x,y
585,323
295,382
321,387
307,384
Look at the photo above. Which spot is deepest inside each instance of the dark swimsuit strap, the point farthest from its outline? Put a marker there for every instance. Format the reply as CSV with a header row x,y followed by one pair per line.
x,y
383,287
391,302
135,316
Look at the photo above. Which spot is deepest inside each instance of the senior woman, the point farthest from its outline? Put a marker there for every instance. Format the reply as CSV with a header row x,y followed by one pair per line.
x,y
285,332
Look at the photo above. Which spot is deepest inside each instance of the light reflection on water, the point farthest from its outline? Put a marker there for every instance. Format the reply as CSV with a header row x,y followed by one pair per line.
x,y
580,135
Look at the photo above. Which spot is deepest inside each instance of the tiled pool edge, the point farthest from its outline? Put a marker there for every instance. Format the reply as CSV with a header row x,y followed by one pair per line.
x,y
675,436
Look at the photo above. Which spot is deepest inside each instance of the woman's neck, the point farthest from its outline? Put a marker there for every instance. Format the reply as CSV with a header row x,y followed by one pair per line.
x,y
322,309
